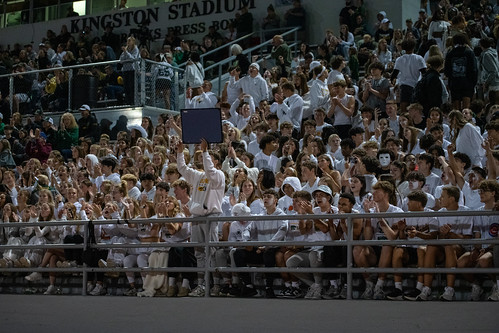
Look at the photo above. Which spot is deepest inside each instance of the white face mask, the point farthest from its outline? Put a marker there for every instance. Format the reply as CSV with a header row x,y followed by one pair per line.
x,y
384,159
414,185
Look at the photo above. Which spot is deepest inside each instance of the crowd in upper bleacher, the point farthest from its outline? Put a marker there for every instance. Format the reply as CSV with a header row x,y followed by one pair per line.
x,y
376,119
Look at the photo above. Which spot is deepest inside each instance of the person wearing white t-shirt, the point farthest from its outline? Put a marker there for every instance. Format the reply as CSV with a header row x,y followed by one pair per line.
x,y
341,109
416,183
288,106
485,227
253,84
406,72
467,139
452,227
383,201
309,176
338,63
426,163
319,92
266,159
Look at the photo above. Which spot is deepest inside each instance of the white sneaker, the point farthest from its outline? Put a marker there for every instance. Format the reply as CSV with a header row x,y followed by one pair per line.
x,y
90,286
494,296
98,290
368,292
476,292
378,293
35,276
314,292
197,292
51,290
425,294
448,294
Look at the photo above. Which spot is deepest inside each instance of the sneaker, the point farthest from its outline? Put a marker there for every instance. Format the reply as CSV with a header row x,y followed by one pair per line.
x,y
293,292
412,295
197,292
234,291
51,290
25,262
35,276
248,291
494,295
98,290
269,293
17,264
172,291
448,294
130,292
379,293
215,290
368,292
184,292
343,292
224,291
424,295
331,293
476,292
147,293
395,295
102,263
90,286
314,292
66,264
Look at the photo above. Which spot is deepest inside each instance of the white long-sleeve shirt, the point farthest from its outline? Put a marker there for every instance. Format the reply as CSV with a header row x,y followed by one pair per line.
x,y
290,110
469,141
201,101
319,95
254,86
237,119
208,186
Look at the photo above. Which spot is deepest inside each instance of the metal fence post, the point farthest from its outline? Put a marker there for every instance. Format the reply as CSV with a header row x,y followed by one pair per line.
x,y
70,88
142,82
207,251
11,94
85,273
349,257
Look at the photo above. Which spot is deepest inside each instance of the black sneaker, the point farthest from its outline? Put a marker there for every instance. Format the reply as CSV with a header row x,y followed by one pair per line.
x,y
269,293
248,291
234,291
395,295
224,291
412,295
293,292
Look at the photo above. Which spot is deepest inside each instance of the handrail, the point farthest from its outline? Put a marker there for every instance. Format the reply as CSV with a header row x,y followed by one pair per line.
x,y
209,269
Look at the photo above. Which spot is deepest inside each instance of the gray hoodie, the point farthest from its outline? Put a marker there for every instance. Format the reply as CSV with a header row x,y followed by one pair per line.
x,y
489,68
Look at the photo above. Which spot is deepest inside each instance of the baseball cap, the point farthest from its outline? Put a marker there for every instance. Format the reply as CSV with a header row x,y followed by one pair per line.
x,y
50,120
84,107
39,112
385,20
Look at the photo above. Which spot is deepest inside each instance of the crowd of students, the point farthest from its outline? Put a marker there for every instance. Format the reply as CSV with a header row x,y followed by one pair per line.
x,y
304,138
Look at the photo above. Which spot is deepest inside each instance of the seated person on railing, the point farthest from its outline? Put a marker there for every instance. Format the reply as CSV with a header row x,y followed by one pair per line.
x,y
271,230
449,228
384,201
482,254
415,228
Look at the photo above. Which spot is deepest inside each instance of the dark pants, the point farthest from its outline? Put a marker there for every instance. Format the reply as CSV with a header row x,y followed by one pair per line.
x,y
243,258
129,86
93,261
182,257
74,254
334,256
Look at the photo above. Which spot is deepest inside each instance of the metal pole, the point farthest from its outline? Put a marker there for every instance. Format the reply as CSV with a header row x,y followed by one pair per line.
x,y
11,94
85,274
176,91
70,88
142,83
349,257
207,263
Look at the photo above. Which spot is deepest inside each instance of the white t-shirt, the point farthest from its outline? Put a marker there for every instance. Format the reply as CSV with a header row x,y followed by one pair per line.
x,y
409,66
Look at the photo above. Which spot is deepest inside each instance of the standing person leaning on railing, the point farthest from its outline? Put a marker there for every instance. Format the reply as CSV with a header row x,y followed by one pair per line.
x,y
129,52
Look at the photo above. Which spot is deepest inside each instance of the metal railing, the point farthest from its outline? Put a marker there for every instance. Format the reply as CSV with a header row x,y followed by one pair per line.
x,y
209,268
84,87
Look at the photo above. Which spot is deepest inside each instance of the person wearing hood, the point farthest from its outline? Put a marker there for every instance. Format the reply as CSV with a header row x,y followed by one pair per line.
x,y
289,186
488,71
253,84
121,126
